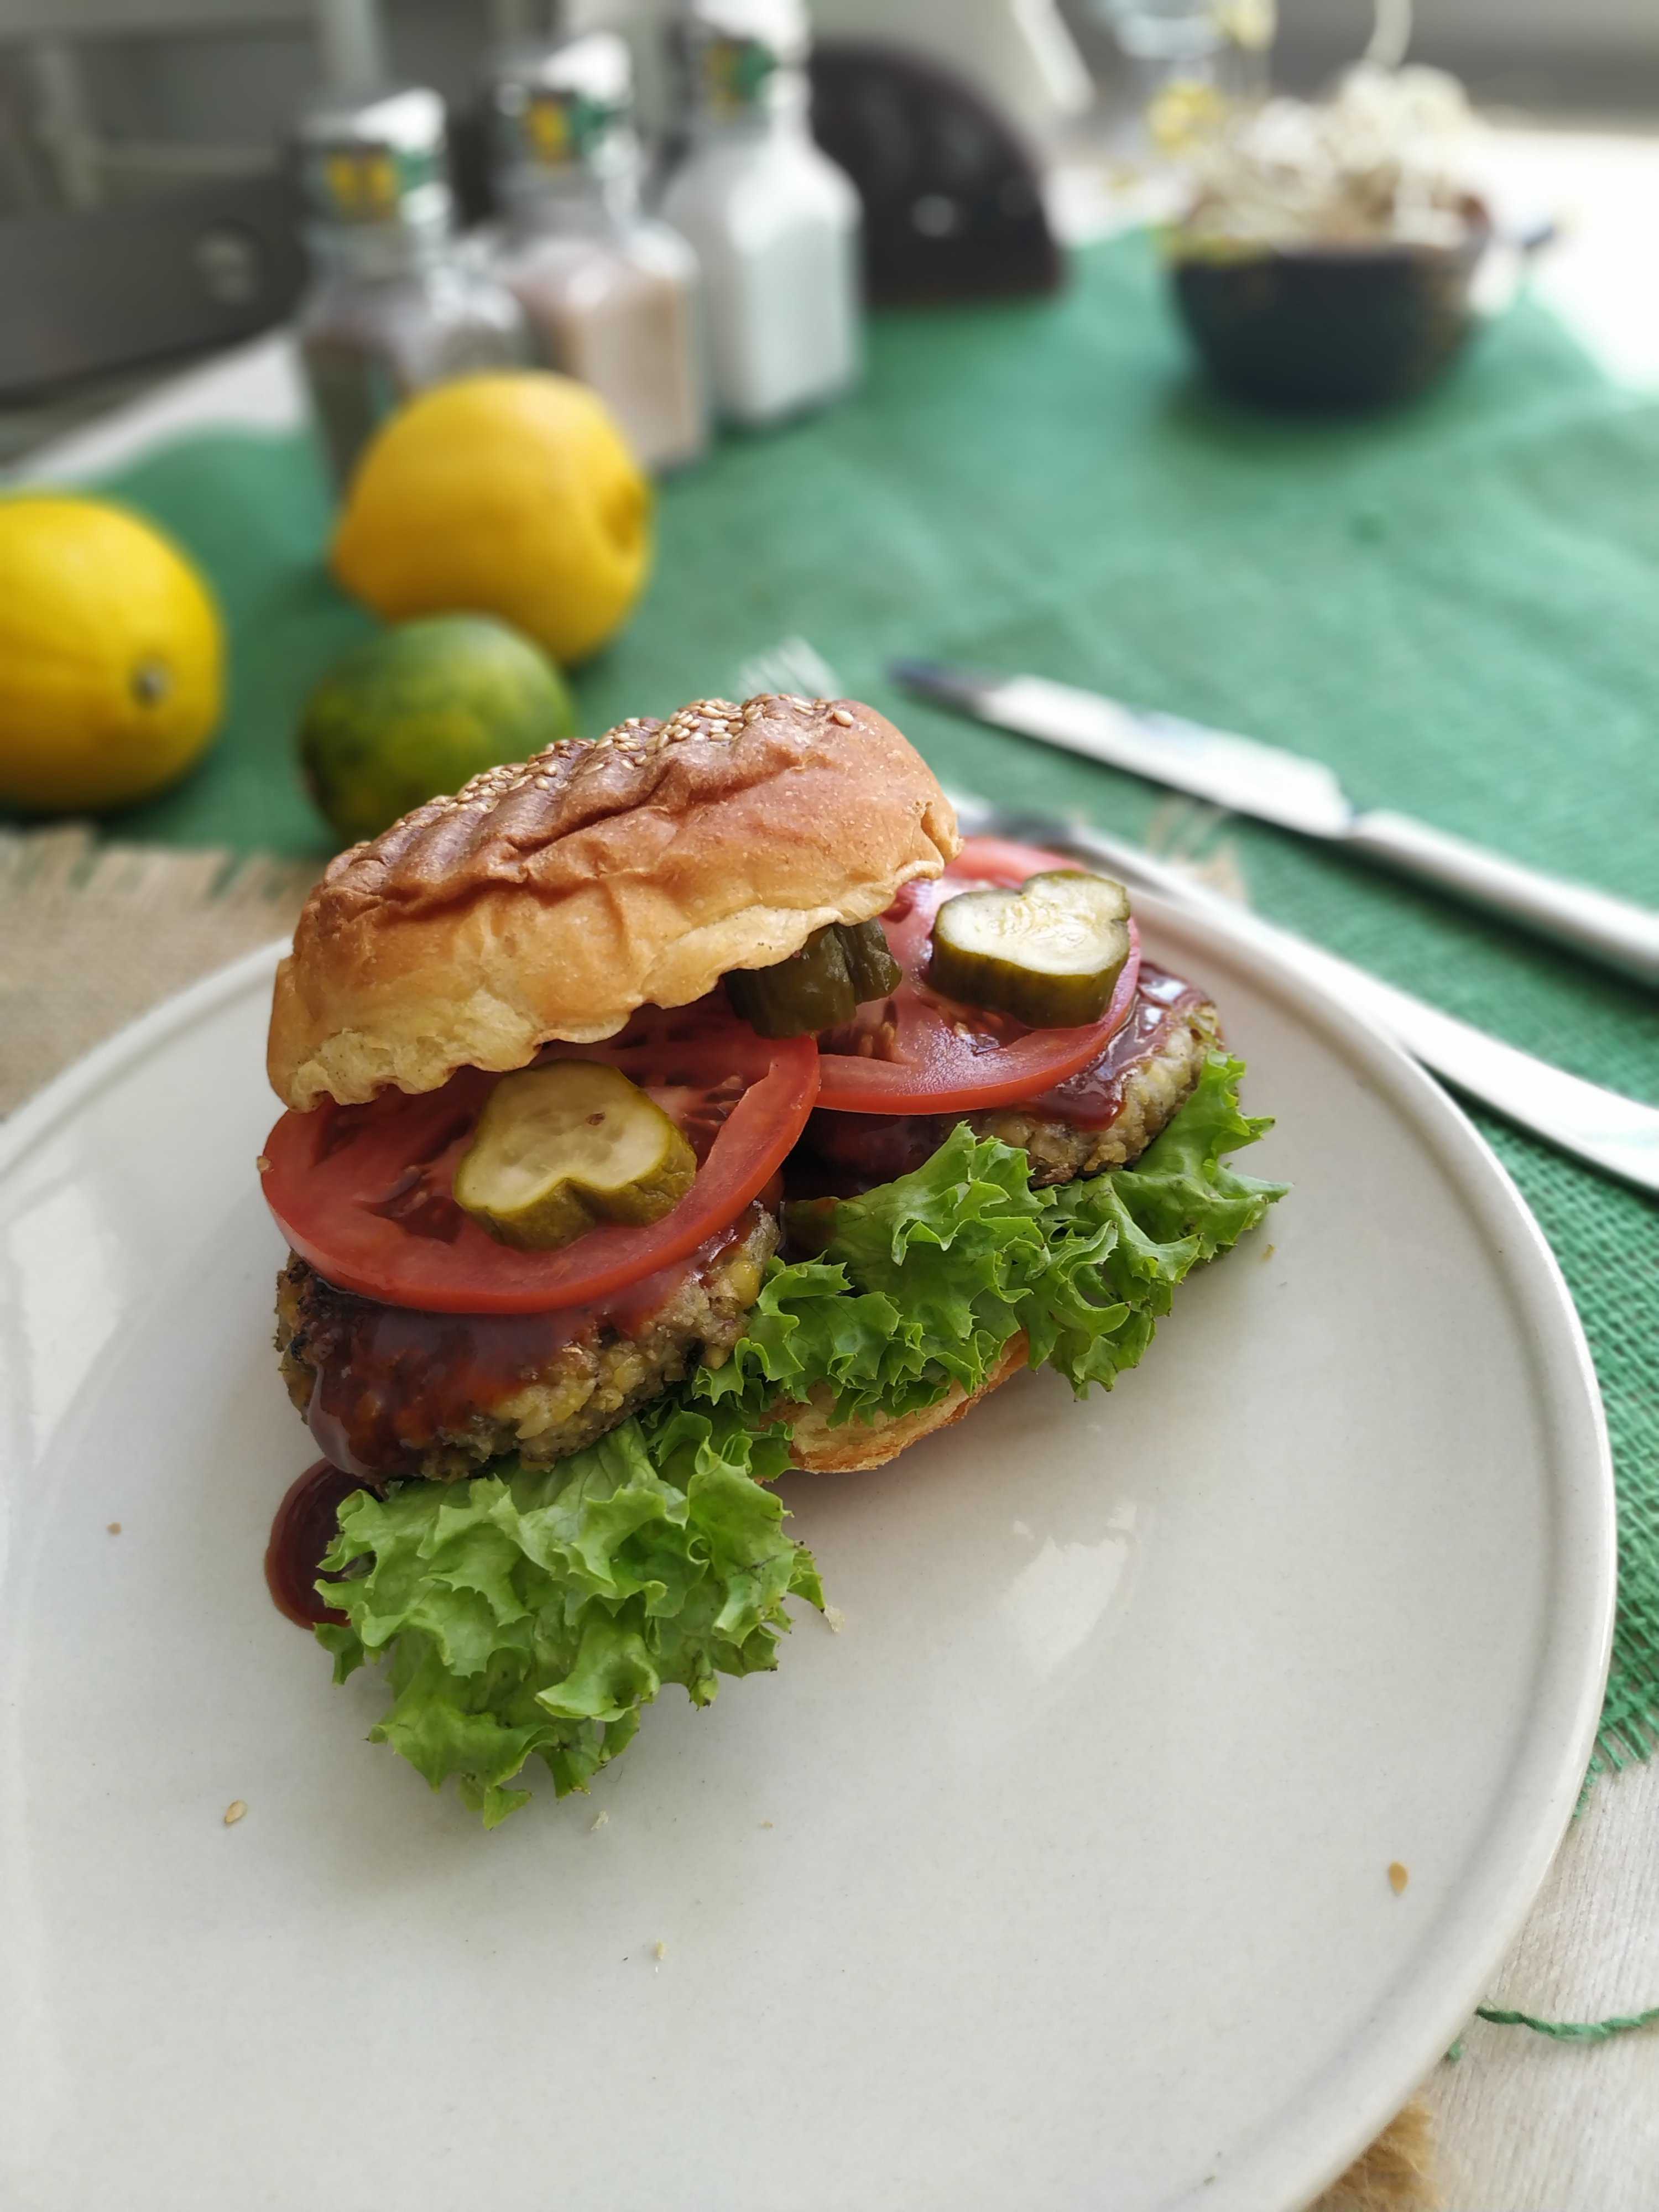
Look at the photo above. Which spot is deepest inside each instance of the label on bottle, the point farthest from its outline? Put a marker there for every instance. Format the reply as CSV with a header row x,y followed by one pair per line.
x,y
562,128
734,74
368,183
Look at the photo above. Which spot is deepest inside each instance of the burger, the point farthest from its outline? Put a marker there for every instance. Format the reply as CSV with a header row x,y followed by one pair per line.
x,y
664,1112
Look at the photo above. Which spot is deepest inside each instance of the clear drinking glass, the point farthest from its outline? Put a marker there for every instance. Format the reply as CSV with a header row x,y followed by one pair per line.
x,y
1223,43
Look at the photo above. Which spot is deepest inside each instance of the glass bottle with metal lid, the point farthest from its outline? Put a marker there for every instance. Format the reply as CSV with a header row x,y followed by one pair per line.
x,y
611,296
774,222
394,306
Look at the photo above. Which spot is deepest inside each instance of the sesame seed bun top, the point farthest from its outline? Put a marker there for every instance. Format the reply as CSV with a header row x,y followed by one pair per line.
x,y
551,900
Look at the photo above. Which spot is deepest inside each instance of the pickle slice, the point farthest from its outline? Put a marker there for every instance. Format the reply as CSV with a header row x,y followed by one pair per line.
x,y
875,973
811,991
1050,953
561,1149
818,987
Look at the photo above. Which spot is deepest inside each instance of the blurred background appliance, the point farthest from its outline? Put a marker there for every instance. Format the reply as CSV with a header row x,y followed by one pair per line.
x,y
1019,52
105,287
180,108
100,100
952,196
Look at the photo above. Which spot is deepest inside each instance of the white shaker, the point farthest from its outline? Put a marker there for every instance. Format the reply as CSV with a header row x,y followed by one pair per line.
x,y
776,224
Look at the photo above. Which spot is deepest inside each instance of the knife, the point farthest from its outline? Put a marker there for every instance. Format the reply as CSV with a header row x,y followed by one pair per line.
x,y
1301,794
1616,1135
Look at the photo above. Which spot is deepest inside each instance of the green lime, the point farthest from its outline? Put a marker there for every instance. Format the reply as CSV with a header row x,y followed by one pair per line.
x,y
417,710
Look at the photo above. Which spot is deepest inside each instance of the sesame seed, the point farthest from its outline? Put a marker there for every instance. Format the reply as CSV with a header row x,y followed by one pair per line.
x,y
235,1811
263,1164
1398,1877
113,1527
842,716
659,1949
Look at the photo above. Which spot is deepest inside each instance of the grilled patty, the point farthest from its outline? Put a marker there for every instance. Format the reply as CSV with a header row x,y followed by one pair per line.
x,y
390,1392
1153,1094
1158,1075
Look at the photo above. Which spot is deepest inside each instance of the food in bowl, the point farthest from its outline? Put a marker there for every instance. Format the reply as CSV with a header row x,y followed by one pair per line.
x,y
1327,250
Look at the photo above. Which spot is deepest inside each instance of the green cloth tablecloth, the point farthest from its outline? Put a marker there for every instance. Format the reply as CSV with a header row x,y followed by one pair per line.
x,y
1457,607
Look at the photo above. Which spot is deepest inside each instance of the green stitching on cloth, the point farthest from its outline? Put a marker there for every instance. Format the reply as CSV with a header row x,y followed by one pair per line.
x,y
1456,605
1565,2031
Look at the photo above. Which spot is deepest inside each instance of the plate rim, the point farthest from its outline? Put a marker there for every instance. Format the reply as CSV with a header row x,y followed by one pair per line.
x,y
1416,2020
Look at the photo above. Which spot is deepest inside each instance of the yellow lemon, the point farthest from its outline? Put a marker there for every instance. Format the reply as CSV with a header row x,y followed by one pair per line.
x,y
112,657
513,495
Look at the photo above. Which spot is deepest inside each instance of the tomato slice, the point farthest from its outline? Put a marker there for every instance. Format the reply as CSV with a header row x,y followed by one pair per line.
x,y
363,1192
917,1053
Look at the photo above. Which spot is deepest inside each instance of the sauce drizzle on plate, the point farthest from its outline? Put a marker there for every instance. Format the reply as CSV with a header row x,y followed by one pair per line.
x,y
305,1524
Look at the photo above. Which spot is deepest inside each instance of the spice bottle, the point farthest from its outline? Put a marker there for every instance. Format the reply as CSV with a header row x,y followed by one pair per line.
x,y
774,222
610,295
394,307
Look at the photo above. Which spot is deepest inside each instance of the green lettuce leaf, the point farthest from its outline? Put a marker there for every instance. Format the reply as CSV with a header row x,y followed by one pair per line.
x,y
534,1612
923,1281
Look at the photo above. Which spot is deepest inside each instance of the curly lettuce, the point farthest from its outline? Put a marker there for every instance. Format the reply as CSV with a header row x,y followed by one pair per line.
x,y
534,1612
923,1282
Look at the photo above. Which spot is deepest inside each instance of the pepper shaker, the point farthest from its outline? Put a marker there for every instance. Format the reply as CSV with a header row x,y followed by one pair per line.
x,y
394,306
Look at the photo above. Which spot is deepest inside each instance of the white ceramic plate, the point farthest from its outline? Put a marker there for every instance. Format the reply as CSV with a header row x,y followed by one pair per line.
x,y
1057,1879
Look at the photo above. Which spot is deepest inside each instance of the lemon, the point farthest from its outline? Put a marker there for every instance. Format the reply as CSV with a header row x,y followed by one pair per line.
x,y
112,656
515,495
420,709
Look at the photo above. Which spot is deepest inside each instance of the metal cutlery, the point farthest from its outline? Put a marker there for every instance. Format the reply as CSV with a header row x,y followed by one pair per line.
x,y
1300,794
1616,1135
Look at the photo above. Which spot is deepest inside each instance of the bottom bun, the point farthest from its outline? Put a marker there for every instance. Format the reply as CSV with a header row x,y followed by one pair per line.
x,y
857,1446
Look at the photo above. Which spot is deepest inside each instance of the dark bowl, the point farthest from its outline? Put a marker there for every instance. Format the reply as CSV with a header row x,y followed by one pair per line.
x,y
1332,326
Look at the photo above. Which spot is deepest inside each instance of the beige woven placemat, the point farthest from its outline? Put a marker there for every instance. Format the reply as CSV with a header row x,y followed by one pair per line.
x,y
92,935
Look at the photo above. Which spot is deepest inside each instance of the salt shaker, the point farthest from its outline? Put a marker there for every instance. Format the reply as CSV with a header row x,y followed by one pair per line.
x,y
610,295
774,222
394,306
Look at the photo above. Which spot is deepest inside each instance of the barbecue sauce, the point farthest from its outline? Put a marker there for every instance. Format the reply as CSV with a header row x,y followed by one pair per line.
x,y
307,1523
390,1381
1093,1097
